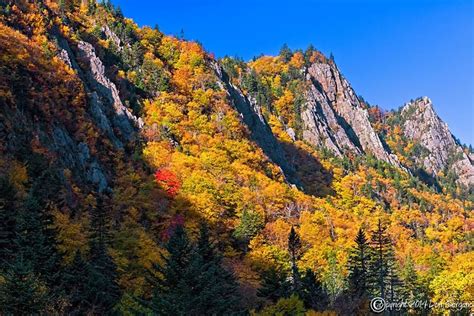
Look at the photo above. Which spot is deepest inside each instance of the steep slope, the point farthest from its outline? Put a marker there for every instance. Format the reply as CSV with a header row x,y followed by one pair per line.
x,y
258,126
348,121
46,111
115,135
422,125
308,94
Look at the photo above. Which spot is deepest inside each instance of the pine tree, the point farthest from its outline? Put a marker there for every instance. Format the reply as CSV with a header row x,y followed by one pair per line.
x,y
21,291
274,285
37,240
285,53
382,264
312,292
219,294
359,258
103,290
412,287
294,247
250,224
76,278
307,54
193,276
166,279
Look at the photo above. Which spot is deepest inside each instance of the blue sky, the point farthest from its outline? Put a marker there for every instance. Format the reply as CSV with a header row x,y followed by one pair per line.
x,y
390,51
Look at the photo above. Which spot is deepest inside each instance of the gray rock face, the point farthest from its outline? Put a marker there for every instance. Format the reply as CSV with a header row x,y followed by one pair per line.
x,y
122,118
335,118
99,90
422,125
77,157
105,107
112,36
321,126
64,56
96,110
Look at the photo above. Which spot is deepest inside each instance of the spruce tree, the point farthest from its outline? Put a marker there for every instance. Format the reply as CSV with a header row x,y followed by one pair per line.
x,y
75,279
382,264
219,294
359,258
274,285
312,292
413,288
37,240
294,247
103,290
21,291
193,276
7,221
250,224
285,53
166,280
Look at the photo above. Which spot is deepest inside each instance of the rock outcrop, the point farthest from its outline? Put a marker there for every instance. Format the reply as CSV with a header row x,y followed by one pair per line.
x,y
123,118
104,116
421,124
334,116
76,156
321,124
105,107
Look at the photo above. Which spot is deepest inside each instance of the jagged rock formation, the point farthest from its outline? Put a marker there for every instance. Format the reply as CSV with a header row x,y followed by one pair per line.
x,y
123,117
334,116
321,123
105,107
76,156
112,36
421,124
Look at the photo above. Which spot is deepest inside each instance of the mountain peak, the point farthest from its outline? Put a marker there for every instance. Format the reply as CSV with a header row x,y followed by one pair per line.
x,y
421,103
422,125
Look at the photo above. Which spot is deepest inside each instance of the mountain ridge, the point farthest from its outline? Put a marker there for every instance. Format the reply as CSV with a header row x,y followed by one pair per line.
x,y
118,136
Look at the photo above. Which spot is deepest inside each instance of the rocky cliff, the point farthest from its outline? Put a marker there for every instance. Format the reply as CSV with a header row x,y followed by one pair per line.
x,y
422,125
335,117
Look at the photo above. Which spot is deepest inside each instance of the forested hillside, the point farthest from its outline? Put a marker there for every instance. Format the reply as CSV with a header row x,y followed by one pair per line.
x,y
141,175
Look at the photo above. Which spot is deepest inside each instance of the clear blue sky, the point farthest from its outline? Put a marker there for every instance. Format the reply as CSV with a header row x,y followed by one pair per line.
x,y
390,51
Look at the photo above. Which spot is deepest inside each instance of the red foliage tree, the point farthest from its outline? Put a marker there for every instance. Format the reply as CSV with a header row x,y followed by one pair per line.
x,y
168,181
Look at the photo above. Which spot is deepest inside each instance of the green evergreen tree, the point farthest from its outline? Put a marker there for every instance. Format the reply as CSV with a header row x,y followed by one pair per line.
x,y
37,241
167,279
359,259
307,55
193,276
382,264
274,285
285,53
103,292
21,291
312,292
75,279
413,288
219,288
250,224
7,221
294,247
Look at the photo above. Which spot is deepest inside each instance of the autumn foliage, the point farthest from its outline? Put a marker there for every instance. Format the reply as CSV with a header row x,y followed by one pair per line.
x,y
194,161
168,181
